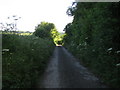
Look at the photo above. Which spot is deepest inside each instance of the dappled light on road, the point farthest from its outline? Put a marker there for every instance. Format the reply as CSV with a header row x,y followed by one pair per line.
x,y
58,45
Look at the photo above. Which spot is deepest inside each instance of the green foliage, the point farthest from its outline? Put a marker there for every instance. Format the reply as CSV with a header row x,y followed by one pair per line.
x,y
48,30
57,37
94,37
43,30
24,59
54,33
17,32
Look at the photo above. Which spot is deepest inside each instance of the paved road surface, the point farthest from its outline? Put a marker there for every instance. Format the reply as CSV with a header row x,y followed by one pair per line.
x,y
64,71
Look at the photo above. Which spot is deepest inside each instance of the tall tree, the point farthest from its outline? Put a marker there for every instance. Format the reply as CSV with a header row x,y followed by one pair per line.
x,y
43,30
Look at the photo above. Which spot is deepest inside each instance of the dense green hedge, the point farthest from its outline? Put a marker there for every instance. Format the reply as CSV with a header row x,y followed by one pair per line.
x,y
94,37
24,59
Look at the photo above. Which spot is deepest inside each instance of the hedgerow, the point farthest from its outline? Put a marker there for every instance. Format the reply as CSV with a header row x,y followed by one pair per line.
x,y
94,38
24,59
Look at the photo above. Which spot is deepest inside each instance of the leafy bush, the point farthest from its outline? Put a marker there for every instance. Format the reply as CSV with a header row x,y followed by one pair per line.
x,y
24,59
94,37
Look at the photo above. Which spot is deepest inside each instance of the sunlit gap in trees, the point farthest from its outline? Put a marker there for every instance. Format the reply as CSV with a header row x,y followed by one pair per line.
x,y
59,39
58,45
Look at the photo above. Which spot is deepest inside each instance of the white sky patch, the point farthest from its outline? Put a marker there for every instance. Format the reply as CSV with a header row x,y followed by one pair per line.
x,y
32,12
97,0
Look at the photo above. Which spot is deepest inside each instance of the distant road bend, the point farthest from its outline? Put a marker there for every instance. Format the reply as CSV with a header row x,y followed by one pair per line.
x,y
64,71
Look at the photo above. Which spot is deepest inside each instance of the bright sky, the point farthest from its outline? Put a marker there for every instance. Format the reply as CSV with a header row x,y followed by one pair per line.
x,y
32,12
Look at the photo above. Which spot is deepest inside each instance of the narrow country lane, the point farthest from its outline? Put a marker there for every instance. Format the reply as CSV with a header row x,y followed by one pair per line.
x,y
64,71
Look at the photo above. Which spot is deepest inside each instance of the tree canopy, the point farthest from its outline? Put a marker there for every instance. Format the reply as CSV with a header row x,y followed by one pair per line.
x,y
94,37
43,29
48,30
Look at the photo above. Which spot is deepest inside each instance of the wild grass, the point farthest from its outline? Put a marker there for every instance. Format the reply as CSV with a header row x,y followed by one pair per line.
x,y
24,59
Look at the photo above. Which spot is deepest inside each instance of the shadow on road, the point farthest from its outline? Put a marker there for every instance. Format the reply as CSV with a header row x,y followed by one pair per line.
x,y
64,71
